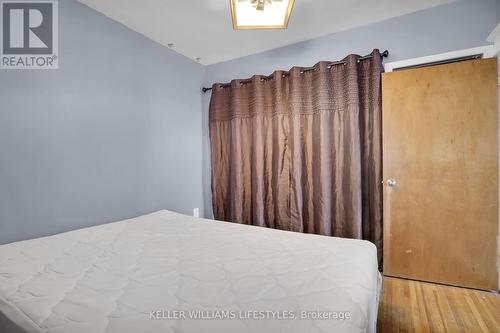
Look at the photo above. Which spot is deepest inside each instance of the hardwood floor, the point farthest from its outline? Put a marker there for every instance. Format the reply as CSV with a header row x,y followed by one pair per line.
x,y
411,306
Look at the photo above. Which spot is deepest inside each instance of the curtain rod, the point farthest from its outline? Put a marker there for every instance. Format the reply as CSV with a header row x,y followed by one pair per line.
x,y
384,54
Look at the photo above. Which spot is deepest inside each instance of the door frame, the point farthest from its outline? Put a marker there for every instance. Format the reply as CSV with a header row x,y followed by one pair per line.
x,y
487,51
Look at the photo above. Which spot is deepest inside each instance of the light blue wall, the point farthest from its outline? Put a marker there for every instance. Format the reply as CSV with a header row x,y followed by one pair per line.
x,y
498,10
115,132
454,26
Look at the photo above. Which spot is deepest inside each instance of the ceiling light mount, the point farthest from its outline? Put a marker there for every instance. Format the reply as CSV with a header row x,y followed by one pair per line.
x,y
261,14
261,4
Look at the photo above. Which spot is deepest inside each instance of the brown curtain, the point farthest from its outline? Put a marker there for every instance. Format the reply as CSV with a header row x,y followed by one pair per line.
x,y
301,150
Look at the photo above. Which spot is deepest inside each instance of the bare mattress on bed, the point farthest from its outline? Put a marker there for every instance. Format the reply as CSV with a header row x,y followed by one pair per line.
x,y
167,272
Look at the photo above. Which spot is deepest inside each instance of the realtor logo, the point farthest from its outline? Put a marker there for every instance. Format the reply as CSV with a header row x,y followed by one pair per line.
x,y
29,36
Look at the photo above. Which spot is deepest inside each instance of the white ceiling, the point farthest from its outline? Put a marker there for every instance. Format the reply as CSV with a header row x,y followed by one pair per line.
x,y
203,28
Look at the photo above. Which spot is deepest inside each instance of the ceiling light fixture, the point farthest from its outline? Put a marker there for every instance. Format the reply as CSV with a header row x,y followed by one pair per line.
x,y
261,14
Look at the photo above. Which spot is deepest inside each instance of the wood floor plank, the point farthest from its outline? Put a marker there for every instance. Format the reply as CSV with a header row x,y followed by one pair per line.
x,y
436,322
464,310
422,309
413,306
479,303
449,320
476,314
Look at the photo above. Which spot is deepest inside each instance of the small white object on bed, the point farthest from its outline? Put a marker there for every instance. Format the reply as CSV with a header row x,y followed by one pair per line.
x,y
156,272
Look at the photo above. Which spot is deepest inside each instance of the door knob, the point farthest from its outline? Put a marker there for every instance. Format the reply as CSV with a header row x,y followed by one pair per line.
x,y
391,182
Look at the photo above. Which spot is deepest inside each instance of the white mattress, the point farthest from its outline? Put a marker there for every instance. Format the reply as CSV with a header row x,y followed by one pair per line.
x,y
130,276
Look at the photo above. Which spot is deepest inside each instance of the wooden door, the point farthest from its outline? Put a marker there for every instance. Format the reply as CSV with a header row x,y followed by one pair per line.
x,y
440,142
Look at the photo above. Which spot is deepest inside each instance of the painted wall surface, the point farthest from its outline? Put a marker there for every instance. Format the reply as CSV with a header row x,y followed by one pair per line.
x,y
114,133
498,10
458,25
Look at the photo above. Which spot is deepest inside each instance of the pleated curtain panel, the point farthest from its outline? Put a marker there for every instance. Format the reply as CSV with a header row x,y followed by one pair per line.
x,y
301,150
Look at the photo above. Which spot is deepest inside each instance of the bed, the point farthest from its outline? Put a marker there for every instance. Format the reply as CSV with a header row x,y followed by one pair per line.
x,y
167,272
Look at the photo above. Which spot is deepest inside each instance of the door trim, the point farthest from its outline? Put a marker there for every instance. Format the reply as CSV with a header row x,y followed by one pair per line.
x,y
487,52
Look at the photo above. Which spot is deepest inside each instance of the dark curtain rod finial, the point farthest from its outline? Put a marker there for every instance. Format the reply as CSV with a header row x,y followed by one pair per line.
x,y
384,54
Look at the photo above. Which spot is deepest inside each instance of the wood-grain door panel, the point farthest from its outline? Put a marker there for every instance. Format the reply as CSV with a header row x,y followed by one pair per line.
x,y
440,140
